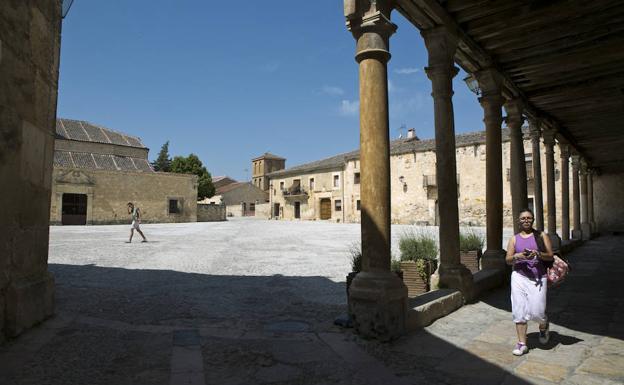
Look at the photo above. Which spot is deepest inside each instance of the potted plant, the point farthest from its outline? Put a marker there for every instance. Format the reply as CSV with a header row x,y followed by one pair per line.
x,y
470,245
355,256
418,261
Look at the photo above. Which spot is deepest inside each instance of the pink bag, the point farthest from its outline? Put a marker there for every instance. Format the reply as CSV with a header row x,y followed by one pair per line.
x,y
558,271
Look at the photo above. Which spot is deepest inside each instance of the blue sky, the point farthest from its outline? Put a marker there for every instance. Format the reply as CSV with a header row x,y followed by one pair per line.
x,y
229,81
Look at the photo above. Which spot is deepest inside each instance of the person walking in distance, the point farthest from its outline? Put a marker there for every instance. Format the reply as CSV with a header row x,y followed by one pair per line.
x,y
136,221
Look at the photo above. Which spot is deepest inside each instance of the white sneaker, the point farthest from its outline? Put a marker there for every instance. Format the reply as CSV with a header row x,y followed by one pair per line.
x,y
544,335
520,349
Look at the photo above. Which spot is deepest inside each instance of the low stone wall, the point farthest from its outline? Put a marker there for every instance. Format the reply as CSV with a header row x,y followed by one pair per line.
x,y
210,212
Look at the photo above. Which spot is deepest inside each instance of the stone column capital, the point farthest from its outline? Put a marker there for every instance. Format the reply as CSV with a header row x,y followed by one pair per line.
x,y
576,160
535,129
564,149
514,108
583,166
369,22
490,83
441,47
549,135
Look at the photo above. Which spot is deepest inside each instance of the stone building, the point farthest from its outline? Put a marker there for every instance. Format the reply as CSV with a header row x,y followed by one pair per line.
x,y
264,165
97,171
240,198
330,188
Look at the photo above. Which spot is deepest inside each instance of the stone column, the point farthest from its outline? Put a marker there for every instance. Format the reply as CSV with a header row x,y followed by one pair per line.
x,y
565,191
441,70
518,176
535,130
585,227
377,297
492,102
549,153
576,202
590,199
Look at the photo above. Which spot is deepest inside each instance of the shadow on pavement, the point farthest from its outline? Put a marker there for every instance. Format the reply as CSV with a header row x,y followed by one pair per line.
x,y
254,329
591,299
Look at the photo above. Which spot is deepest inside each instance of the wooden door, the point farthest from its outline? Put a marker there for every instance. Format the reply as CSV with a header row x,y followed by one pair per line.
x,y
325,208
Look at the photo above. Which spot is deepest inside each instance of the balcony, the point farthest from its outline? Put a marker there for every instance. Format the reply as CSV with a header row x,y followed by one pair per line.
x,y
295,192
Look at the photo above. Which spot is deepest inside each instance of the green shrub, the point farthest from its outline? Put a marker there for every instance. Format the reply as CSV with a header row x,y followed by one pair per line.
x,y
395,265
469,241
355,254
417,245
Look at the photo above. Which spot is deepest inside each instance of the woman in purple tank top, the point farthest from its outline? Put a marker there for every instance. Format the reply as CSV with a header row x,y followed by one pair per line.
x,y
528,252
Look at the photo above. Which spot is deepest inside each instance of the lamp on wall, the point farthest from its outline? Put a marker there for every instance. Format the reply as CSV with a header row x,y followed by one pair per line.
x,y
403,182
473,84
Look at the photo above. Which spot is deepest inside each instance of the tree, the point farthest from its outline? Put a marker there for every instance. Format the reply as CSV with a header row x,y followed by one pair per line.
x,y
192,165
163,162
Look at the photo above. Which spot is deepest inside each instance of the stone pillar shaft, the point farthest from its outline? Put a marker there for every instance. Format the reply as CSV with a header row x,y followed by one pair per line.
x,y
537,174
590,199
549,153
576,202
565,191
441,48
583,180
492,102
518,175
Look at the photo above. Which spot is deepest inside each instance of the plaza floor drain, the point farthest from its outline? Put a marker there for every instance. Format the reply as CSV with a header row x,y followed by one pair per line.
x,y
288,326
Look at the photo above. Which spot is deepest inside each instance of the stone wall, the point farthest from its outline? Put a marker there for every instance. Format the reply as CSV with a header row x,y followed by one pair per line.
x,y
29,62
108,193
210,212
263,210
608,207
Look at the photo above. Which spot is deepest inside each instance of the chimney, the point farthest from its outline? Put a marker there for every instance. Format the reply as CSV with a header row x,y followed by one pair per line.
x,y
411,133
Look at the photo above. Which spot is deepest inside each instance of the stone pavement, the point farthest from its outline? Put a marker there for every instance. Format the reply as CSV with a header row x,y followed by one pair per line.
x,y
252,302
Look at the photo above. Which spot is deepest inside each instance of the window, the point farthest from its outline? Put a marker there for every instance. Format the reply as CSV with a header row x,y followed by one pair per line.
x,y
311,184
336,181
338,205
282,186
174,206
356,178
357,205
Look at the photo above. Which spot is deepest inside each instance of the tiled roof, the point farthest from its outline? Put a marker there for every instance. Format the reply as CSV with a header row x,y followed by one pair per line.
x,y
229,187
72,159
87,132
399,146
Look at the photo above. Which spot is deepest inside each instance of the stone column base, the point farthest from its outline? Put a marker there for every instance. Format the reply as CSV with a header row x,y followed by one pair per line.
x,y
577,234
457,277
378,305
555,241
494,259
586,231
29,301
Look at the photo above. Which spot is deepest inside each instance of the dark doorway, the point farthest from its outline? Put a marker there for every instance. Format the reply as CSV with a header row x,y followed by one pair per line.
x,y
325,208
531,204
297,209
276,210
74,211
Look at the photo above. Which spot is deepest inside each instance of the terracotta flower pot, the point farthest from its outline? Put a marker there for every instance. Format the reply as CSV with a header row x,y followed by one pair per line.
x,y
470,259
413,279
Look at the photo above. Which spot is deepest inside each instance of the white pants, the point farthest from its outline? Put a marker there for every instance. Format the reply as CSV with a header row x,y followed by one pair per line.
x,y
528,299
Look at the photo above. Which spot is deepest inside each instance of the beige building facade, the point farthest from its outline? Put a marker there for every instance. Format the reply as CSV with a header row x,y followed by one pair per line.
x,y
97,171
264,165
329,189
